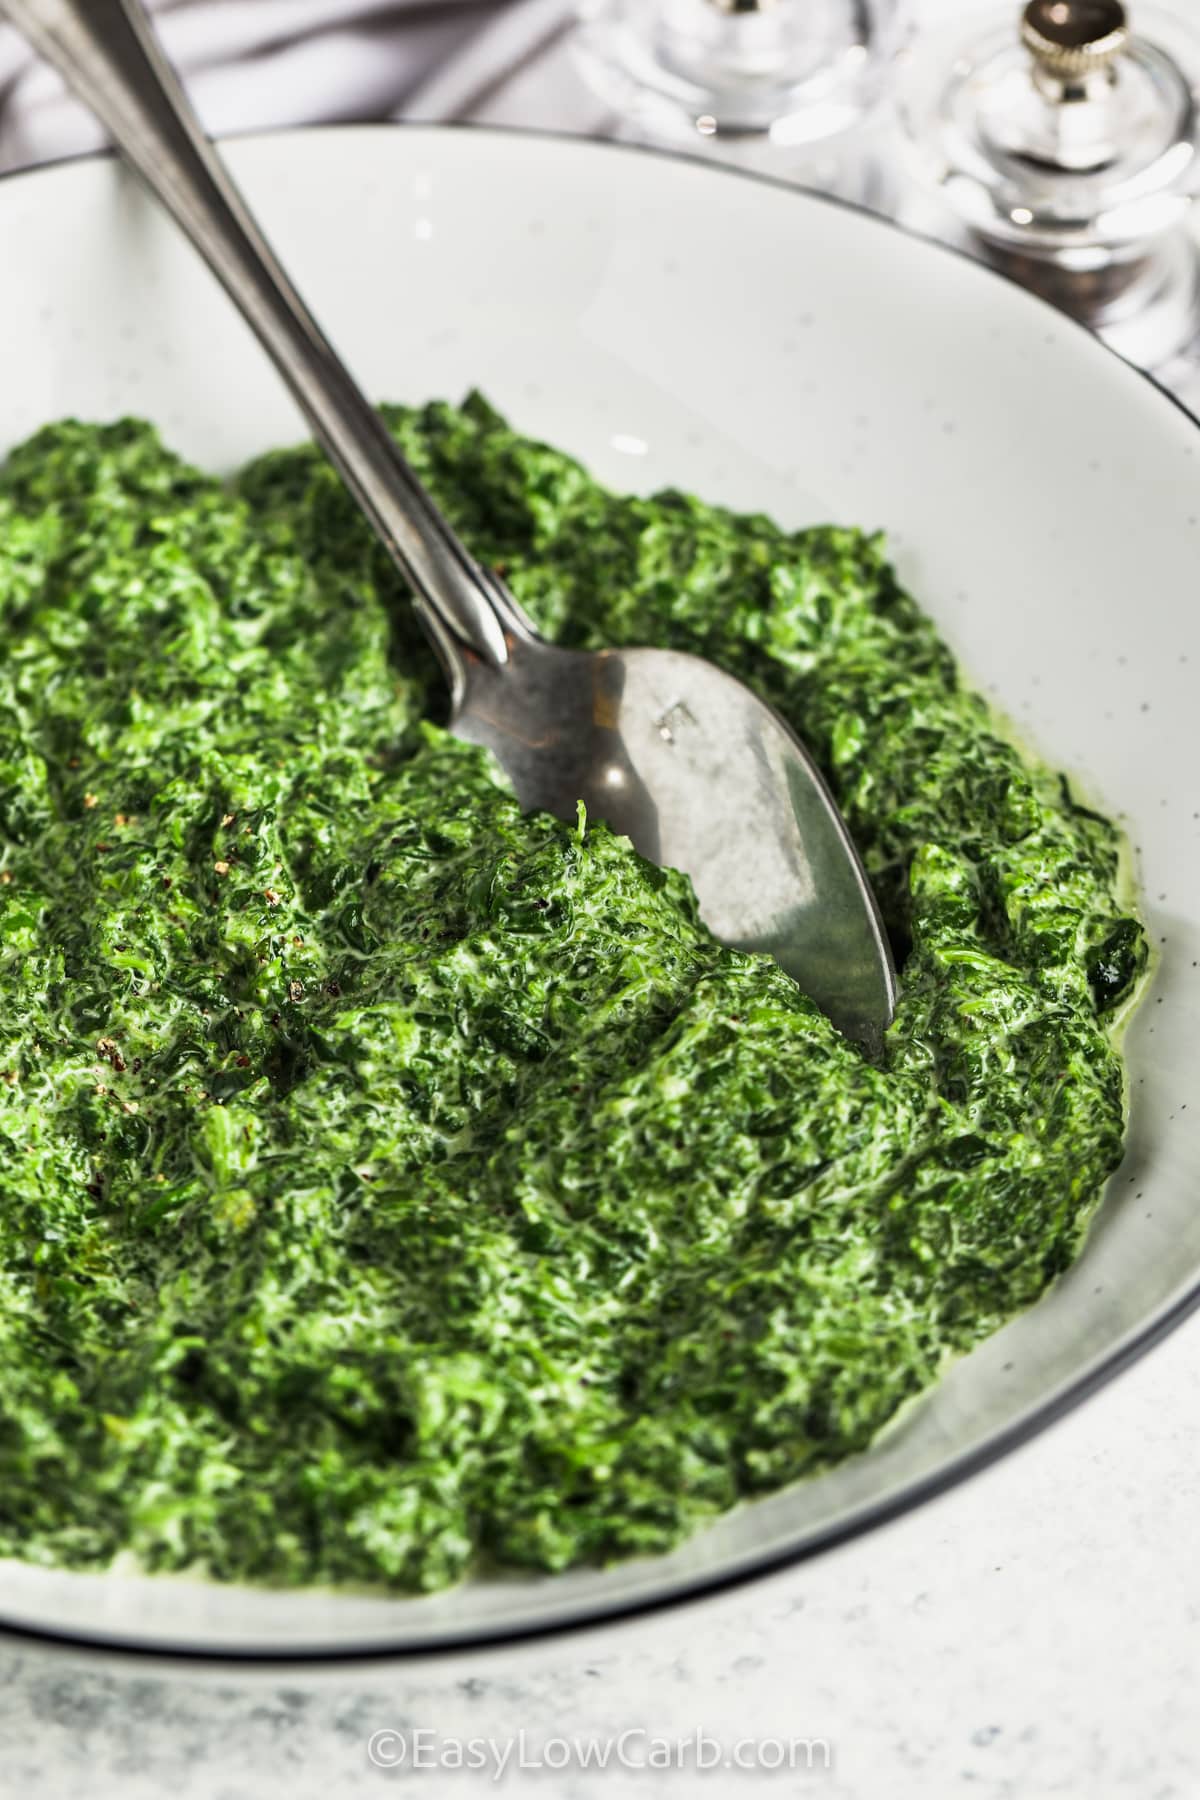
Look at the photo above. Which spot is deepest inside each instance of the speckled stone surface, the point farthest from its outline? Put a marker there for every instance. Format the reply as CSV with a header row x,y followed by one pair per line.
x,y
1033,1634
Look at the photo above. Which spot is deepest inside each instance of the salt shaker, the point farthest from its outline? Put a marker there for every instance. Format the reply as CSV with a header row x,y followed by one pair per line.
x,y
1063,144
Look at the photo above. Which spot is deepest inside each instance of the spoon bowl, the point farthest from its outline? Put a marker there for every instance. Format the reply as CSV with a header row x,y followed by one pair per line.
x,y
702,776
683,759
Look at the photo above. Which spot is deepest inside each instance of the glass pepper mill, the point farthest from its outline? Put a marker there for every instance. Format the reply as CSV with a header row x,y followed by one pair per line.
x,y
795,71
1065,146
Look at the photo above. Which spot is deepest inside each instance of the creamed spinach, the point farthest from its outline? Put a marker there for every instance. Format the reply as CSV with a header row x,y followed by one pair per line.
x,y
393,1182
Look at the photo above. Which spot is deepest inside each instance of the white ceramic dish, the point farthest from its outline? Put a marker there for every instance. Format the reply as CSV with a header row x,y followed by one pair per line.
x,y
675,324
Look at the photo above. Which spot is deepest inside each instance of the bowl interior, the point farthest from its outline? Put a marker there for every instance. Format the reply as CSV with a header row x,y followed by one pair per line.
x,y
676,325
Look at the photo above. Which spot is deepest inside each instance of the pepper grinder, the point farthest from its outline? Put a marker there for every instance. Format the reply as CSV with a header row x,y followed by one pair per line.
x,y
793,70
1064,146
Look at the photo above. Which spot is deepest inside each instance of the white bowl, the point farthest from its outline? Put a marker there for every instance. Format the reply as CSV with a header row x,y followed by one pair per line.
x,y
674,324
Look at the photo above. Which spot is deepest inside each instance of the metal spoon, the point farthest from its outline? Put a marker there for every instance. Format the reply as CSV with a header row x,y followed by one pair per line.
x,y
684,759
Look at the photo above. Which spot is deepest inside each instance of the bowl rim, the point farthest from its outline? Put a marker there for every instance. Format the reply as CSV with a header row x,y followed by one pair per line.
x,y
598,1615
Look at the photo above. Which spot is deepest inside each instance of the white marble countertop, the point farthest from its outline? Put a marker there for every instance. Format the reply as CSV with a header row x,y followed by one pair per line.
x,y
1031,1634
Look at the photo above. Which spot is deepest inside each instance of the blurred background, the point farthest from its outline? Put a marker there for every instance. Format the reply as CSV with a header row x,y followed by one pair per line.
x,y
251,64
1077,180
257,63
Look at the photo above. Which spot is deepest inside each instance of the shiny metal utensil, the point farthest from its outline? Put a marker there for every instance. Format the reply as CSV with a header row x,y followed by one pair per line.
x,y
685,760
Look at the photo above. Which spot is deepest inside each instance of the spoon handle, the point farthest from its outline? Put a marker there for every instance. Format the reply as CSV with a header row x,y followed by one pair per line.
x,y
107,53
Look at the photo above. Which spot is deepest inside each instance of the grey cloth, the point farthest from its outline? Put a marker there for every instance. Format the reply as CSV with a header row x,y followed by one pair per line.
x,y
253,64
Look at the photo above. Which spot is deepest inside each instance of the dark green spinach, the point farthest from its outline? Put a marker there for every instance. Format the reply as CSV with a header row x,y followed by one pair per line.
x,y
391,1180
